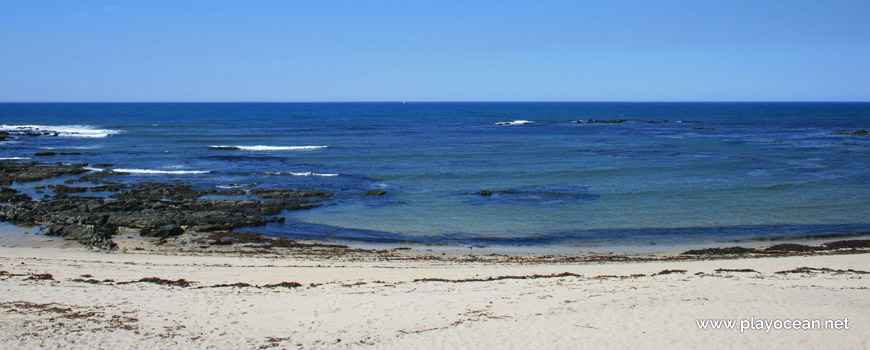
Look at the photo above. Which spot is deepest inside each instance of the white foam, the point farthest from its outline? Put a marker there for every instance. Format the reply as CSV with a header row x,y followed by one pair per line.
x,y
310,173
269,148
515,122
93,169
15,158
62,130
150,171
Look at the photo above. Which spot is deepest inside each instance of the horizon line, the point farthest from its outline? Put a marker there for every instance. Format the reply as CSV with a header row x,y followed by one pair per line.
x,y
463,101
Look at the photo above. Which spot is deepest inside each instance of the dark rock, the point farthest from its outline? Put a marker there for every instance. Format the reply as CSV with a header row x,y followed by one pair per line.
x,y
88,235
485,193
853,132
32,171
67,189
97,177
159,191
232,192
162,231
108,188
44,154
157,209
373,193
8,195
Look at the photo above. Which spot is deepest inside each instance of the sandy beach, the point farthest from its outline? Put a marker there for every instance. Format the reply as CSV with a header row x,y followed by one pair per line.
x,y
75,298
434,175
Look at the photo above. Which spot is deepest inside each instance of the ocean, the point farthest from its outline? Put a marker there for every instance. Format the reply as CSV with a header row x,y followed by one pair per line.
x,y
639,174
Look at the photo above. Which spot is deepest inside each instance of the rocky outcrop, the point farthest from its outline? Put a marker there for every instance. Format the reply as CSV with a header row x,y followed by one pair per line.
x,y
8,195
68,189
98,234
33,171
157,209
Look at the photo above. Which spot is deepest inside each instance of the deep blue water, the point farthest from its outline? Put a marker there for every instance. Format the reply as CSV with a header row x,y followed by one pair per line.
x,y
728,171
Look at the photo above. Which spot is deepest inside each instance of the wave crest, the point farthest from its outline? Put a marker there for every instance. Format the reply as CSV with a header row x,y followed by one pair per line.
x,y
310,173
515,122
150,171
62,130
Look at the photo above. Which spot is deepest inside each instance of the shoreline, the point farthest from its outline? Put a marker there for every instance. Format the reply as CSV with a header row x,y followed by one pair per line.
x,y
14,235
250,244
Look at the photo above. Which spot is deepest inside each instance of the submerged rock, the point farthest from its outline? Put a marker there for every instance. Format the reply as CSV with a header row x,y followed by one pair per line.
x,y
373,193
285,193
853,132
595,121
542,194
610,121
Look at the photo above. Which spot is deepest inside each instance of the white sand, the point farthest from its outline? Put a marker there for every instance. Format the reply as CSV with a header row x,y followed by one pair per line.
x,y
378,305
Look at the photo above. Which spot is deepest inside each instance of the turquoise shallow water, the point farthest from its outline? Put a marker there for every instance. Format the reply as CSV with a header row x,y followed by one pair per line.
x,y
670,173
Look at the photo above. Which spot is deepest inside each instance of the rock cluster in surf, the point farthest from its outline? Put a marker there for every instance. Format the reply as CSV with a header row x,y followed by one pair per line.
x,y
155,209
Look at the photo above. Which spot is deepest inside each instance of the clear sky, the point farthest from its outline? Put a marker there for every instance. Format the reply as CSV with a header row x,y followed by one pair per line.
x,y
444,50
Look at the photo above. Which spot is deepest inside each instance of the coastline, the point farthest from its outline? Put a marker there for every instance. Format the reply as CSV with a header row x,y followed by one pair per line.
x,y
161,265
166,298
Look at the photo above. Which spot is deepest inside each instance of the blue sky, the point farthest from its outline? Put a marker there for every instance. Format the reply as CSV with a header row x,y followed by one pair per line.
x,y
434,50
